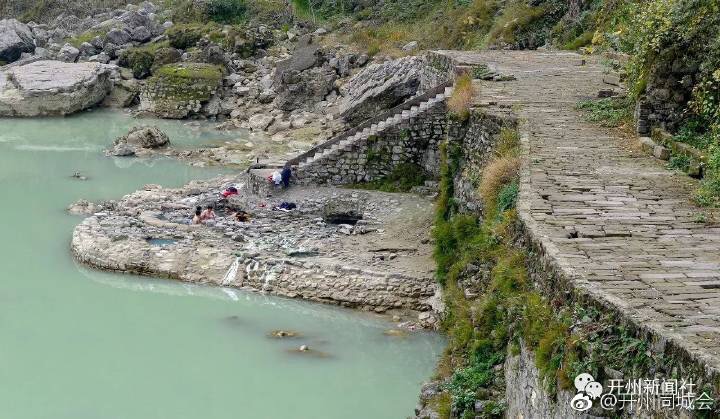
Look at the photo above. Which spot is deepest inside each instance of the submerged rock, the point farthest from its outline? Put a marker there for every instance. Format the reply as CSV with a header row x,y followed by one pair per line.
x,y
281,334
83,207
51,87
306,350
397,333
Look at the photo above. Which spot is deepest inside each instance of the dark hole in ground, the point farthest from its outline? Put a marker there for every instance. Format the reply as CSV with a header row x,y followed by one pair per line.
x,y
345,218
161,242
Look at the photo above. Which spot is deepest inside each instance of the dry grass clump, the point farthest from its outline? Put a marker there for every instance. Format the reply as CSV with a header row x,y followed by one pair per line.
x,y
500,172
462,97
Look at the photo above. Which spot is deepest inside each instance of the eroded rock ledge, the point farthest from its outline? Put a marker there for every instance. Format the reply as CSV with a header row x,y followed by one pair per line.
x,y
51,87
381,263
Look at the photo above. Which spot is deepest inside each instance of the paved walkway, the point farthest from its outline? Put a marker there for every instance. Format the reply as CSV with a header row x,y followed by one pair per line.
x,y
617,222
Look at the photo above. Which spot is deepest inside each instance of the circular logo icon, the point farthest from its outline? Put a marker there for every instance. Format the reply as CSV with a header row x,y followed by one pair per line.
x,y
580,403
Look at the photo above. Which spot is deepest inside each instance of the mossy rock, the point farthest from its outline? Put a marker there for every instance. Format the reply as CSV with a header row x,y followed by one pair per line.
x,y
165,55
139,60
178,90
183,36
186,72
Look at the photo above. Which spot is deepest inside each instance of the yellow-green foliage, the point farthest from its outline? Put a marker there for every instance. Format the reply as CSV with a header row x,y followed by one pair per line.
x,y
186,81
189,72
186,35
387,39
83,37
515,17
462,97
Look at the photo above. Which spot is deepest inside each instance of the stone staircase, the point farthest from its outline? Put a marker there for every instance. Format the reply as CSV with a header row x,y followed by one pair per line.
x,y
373,129
344,142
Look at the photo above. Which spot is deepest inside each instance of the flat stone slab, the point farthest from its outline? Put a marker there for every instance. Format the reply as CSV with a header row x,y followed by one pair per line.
x,y
381,263
50,87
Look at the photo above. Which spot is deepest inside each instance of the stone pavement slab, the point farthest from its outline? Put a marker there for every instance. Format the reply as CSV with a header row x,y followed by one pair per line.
x,y
617,223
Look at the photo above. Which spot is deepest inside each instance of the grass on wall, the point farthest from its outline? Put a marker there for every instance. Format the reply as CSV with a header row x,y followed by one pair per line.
x,y
461,100
566,338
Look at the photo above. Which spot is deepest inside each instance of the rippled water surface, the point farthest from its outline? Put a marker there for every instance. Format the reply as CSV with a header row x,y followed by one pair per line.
x,y
77,343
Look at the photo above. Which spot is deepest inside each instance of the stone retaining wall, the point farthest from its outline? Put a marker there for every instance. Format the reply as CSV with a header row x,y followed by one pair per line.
x,y
414,140
526,396
476,137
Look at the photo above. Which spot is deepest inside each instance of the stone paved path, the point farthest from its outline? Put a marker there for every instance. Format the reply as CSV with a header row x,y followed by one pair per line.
x,y
617,222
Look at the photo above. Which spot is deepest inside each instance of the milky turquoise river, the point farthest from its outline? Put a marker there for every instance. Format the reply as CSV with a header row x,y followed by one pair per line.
x,y
81,344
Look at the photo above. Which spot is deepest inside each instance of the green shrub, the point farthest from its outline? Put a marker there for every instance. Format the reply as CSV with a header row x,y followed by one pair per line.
x,y
608,112
583,40
83,37
680,162
507,197
227,11
184,36
139,60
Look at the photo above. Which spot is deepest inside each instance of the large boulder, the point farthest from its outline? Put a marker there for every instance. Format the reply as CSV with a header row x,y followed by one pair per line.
x,y
49,87
123,94
68,53
304,89
179,90
306,55
379,87
15,38
137,140
118,36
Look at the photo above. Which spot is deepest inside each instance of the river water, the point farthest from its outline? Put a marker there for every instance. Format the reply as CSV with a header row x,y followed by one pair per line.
x,y
76,343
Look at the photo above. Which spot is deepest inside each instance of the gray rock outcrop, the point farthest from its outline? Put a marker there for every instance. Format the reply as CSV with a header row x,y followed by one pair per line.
x,y
298,89
68,53
137,139
49,87
15,38
379,87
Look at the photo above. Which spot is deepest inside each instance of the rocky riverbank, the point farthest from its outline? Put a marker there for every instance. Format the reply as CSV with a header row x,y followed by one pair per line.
x,y
366,250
